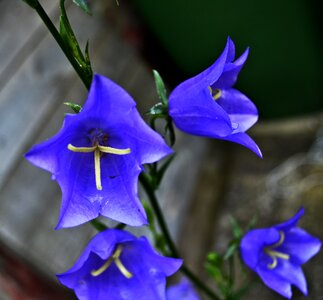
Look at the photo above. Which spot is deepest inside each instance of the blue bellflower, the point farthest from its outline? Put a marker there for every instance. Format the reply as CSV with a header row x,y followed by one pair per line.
x,y
97,156
277,253
182,291
117,265
207,105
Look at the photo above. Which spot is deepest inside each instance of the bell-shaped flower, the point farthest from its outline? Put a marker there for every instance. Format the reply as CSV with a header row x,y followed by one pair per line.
x,y
182,291
117,265
97,156
208,105
277,253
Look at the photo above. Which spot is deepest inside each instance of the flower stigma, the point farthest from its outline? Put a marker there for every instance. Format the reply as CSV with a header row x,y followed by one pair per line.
x,y
115,257
215,93
98,150
276,254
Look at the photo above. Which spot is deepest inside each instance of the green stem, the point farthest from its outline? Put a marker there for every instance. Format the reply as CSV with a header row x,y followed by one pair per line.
x,y
99,226
161,221
51,27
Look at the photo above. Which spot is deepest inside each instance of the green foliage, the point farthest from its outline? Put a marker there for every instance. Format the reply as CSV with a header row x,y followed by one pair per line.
x,y
83,5
221,268
72,44
75,107
159,239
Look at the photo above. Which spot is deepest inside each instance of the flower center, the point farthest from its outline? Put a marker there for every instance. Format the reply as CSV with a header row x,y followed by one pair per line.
x,y
215,93
97,149
270,250
115,257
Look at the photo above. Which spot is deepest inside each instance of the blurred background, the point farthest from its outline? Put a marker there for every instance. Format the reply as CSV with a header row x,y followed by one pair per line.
x,y
179,38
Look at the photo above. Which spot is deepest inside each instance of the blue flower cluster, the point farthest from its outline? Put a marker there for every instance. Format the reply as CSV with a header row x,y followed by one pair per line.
x,y
97,157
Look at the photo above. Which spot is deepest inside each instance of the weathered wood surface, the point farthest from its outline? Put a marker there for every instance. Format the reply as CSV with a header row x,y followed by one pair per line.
x,y
209,180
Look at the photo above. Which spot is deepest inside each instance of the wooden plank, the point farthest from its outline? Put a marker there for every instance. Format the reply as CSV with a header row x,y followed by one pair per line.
x,y
18,39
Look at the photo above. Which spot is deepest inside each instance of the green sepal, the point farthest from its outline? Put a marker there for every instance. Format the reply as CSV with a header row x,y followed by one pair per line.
x,y
83,5
75,107
160,87
159,111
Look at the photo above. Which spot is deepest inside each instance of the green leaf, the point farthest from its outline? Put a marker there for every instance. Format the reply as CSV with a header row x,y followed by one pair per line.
x,y
76,108
83,5
160,87
236,229
231,250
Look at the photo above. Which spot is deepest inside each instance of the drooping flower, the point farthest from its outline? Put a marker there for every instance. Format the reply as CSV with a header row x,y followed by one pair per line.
x,y
277,253
207,105
97,156
117,265
182,291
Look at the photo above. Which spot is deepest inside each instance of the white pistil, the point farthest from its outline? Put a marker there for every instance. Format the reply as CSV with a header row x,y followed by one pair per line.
x,y
97,169
97,149
116,258
276,254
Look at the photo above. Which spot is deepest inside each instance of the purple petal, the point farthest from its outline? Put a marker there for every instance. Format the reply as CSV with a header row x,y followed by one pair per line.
x,y
300,245
205,78
107,101
182,291
253,243
245,140
117,200
197,113
292,222
275,282
285,271
240,109
230,73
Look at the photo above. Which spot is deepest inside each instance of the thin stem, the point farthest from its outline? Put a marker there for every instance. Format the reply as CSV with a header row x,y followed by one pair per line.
x,y
99,226
51,27
161,221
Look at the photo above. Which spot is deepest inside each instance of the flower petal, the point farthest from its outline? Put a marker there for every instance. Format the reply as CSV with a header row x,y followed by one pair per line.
x,y
231,71
240,109
275,282
245,140
182,291
253,243
300,245
292,222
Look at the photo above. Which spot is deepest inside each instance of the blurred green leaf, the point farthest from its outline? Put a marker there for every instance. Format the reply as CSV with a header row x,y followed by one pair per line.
x,y
75,107
83,5
236,229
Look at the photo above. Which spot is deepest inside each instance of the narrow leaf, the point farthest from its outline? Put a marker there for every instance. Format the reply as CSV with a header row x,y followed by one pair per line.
x,y
83,5
76,108
160,87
